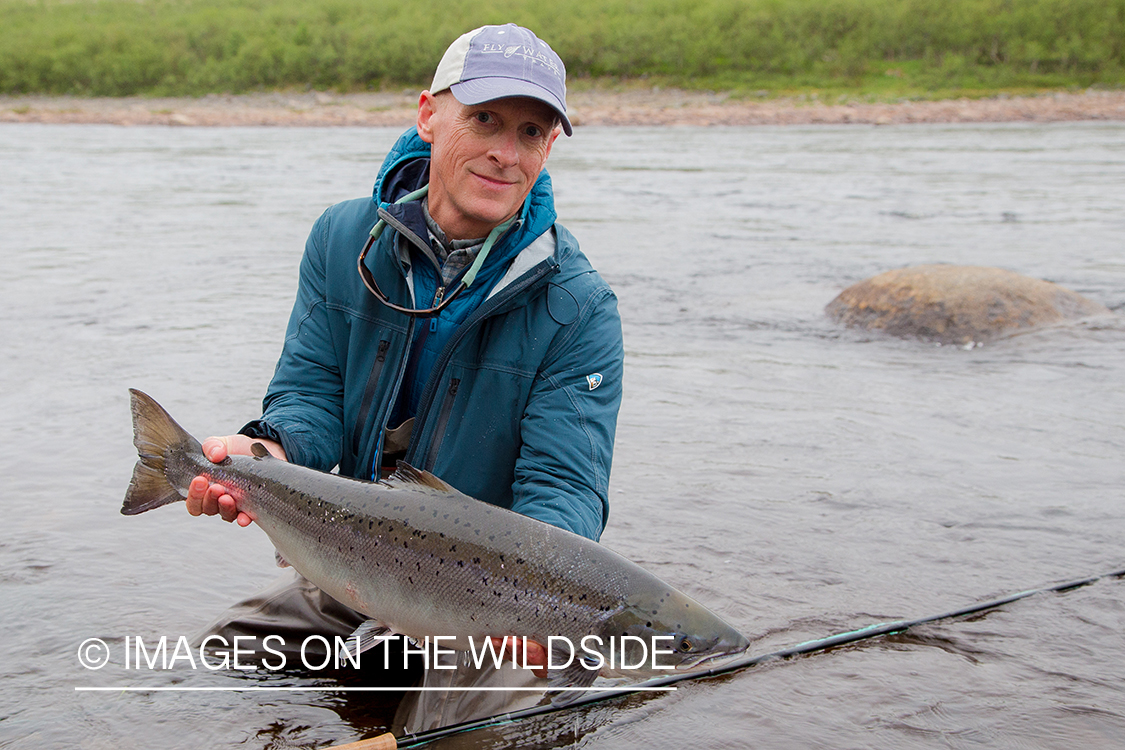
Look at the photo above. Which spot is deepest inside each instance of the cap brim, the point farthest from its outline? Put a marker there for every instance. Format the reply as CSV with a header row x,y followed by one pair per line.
x,y
481,90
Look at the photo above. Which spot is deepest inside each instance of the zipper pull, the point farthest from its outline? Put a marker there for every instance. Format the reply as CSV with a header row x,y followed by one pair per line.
x,y
437,301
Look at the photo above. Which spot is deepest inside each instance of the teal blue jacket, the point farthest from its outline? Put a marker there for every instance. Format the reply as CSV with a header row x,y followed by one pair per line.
x,y
520,405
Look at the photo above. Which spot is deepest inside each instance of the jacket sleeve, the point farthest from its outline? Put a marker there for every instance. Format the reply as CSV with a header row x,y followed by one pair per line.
x,y
303,406
567,429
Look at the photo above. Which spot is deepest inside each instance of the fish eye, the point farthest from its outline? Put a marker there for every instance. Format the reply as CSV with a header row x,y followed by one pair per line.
x,y
686,645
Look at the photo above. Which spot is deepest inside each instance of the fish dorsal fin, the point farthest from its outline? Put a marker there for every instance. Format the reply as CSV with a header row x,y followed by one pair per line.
x,y
406,475
259,450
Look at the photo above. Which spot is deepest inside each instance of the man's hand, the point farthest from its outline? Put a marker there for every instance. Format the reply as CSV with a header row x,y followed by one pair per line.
x,y
204,498
536,655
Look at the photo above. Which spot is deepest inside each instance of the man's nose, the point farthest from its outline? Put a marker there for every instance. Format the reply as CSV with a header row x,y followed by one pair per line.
x,y
505,149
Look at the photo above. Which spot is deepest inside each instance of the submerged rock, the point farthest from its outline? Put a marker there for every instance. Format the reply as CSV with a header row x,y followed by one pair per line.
x,y
956,304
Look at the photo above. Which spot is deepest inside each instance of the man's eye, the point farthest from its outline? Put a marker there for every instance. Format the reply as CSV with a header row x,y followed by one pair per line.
x,y
533,131
484,117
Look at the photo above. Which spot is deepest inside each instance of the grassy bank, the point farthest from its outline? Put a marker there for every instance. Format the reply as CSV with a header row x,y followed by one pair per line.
x,y
753,47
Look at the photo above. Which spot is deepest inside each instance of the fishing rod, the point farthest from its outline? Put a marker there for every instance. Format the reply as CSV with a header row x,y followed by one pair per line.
x,y
388,741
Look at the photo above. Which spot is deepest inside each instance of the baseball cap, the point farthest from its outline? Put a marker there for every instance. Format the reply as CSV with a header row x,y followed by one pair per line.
x,y
496,62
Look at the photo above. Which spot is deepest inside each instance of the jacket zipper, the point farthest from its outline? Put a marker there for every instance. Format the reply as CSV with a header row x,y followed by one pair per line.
x,y
361,425
443,421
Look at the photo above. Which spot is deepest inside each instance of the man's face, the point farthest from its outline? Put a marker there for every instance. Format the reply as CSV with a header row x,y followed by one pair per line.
x,y
485,158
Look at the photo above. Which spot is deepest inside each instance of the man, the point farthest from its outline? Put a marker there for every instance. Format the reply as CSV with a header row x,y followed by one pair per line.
x,y
474,340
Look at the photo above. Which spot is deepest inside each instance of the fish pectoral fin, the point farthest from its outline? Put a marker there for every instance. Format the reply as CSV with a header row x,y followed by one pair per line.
x,y
575,675
281,561
368,635
259,450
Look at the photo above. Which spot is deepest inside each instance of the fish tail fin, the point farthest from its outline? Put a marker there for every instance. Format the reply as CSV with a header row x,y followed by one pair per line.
x,y
154,434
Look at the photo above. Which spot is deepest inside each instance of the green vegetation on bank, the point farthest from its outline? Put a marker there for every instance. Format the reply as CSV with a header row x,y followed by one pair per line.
x,y
191,47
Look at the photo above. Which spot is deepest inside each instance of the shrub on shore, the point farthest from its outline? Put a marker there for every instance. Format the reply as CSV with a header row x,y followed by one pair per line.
x,y
192,47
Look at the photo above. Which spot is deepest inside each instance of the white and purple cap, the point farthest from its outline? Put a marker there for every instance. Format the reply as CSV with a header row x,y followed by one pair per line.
x,y
496,62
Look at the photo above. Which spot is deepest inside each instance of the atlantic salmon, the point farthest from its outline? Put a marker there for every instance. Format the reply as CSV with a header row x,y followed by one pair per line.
x,y
425,560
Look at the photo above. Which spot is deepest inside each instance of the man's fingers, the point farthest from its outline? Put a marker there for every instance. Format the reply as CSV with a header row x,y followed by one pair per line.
x,y
536,656
228,511
196,490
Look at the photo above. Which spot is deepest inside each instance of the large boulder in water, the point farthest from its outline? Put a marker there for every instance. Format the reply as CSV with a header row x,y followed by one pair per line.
x,y
956,304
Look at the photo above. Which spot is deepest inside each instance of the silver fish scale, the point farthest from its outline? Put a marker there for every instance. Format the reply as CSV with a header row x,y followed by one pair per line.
x,y
431,564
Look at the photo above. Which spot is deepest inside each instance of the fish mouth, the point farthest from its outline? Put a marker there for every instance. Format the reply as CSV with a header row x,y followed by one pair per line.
x,y
707,659
723,650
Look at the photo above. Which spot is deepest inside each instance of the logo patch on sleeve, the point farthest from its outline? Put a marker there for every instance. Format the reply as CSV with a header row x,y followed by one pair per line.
x,y
594,380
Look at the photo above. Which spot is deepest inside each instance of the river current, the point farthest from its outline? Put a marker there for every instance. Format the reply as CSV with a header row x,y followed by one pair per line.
x,y
798,478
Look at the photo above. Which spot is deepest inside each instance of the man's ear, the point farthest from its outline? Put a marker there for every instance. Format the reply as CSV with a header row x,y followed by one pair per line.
x,y
551,141
427,107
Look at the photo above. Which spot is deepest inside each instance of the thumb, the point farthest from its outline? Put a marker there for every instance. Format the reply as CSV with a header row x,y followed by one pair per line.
x,y
216,449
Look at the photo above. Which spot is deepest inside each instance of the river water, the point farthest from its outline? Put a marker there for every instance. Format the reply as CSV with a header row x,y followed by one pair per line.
x,y
800,479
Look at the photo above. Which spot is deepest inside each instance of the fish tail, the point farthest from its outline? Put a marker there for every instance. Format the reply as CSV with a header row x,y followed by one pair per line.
x,y
156,435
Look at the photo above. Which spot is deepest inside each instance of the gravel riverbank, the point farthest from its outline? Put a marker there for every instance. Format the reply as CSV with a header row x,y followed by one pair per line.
x,y
588,108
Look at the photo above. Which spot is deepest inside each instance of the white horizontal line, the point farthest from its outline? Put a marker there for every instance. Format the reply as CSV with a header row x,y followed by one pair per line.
x,y
166,689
